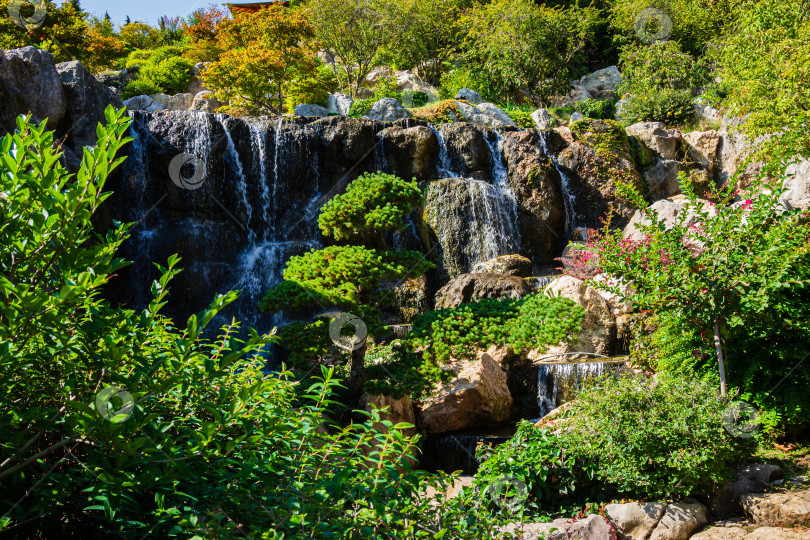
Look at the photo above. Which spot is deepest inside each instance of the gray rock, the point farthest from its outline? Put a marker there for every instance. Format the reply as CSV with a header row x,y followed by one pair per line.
x,y
195,85
593,527
702,148
412,151
311,110
32,73
178,102
635,521
339,104
725,502
680,521
485,114
797,183
470,95
510,265
762,533
602,83
576,117
579,94
86,100
468,288
12,105
662,179
535,531
387,110
778,508
467,150
543,120
206,102
143,103
670,212
665,142
706,113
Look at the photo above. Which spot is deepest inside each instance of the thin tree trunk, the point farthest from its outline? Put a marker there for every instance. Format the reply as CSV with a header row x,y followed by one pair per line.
x,y
720,363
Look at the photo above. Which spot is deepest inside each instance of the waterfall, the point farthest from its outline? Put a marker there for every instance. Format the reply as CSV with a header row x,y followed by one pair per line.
x,y
559,383
569,199
444,166
456,452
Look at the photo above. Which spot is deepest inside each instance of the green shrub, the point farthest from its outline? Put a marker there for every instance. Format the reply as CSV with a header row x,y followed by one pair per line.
x,y
311,89
528,323
396,370
453,81
600,109
139,88
672,107
414,98
361,107
554,475
657,439
521,117
664,343
387,87
170,75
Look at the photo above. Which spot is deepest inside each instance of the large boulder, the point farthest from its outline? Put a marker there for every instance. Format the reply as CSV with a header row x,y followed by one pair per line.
x,y
485,114
733,151
667,143
387,110
596,163
206,102
311,110
782,508
797,183
412,151
468,152
598,327
468,288
680,520
346,143
177,102
339,104
32,73
593,527
725,502
87,100
510,265
662,179
477,395
143,103
599,84
737,532
670,212
543,120
535,531
636,520
702,148
537,188
12,105
473,97
195,85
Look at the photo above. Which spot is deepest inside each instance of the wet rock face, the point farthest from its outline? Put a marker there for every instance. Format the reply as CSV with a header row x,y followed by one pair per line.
x,y
536,186
412,150
471,287
597,162
467,150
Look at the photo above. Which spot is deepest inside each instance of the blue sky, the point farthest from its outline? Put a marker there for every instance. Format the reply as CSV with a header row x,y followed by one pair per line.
x,y
144,10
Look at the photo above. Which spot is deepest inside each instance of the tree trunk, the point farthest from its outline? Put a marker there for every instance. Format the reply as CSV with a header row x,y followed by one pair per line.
x,y
357,369
718,347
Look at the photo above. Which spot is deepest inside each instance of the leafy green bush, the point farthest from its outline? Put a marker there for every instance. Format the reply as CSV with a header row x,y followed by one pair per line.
x,y
455,80
672,107
311,89
521,117
396,370
603,109
414,98
209,445
657,439
528,323
387,87
361,107
554,474
139,88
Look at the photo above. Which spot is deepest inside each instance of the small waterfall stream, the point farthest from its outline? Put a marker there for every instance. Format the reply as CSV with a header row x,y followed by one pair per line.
x,y
571,218
559,383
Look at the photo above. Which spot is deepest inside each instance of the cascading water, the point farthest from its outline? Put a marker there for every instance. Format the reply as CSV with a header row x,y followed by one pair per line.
x,y
456,452
559,383
571,219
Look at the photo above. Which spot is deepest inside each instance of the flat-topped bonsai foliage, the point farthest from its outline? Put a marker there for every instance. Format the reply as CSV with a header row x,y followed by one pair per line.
x,y
348,277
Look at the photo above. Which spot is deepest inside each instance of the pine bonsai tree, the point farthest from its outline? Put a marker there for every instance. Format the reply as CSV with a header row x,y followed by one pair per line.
x,y
348,276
